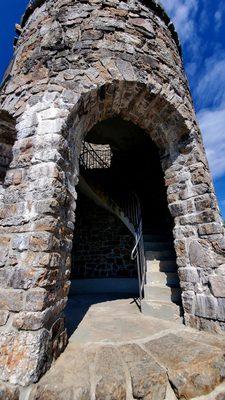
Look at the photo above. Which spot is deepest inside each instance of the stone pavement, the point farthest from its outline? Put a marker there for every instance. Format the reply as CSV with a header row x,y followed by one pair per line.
x,y
118,354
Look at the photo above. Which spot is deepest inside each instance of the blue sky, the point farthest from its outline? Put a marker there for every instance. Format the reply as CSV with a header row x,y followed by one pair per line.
x,y
201,27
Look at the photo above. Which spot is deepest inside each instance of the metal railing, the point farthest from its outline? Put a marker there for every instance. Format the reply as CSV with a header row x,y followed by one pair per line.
x,y
91,158
128,205
132,208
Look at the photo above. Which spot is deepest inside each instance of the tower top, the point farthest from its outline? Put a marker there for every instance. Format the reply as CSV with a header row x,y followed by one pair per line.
x,y
154,5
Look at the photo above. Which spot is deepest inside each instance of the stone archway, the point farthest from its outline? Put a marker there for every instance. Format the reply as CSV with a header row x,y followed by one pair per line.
x,y
104,236
40,239
187,178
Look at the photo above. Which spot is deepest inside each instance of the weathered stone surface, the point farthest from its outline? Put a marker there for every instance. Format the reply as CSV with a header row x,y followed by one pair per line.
x,y
90,264
24,278
4,315
38,299
11,300
217,285
217,394
25,357
143,26
29,320
206,305
194,369
148,379
176,209
110,376
186,357
201,255
188,275
188,301
210,229
8,392
221,309
68,379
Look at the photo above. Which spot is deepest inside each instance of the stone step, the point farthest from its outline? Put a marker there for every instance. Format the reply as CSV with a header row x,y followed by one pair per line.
x,y
157,246
161,266
160,255
163,293
170,279
163,310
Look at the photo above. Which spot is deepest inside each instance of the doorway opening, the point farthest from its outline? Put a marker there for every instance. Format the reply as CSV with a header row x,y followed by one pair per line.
x,y
7,139
123,243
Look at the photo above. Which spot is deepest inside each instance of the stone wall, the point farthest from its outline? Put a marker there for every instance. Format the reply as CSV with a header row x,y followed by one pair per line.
x,y
77,63
102,244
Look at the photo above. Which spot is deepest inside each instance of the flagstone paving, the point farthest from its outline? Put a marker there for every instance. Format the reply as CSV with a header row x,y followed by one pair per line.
x,y
116,353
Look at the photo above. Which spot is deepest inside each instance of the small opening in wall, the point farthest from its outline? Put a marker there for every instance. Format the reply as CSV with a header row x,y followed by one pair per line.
x,y
7,139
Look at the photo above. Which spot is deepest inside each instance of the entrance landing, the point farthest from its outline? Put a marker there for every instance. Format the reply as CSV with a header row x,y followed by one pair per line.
x,y
116,353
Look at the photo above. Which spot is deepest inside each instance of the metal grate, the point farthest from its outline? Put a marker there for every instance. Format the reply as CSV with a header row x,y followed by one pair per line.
x,y
95,158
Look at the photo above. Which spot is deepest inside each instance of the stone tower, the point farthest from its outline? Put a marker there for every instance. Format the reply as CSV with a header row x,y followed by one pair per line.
x,y
77,63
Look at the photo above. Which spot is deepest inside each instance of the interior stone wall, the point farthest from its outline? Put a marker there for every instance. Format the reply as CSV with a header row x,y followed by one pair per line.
x,y
77,63
102,244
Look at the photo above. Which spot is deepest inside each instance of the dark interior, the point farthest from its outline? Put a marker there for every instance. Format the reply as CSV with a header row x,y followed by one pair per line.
x,y
135,167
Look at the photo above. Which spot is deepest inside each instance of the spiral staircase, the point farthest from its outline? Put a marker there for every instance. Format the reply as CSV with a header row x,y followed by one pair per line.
x,y
159,290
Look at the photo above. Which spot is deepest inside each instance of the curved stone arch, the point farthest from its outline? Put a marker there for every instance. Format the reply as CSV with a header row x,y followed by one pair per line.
x,y
134,101
42,232
144,105
191,197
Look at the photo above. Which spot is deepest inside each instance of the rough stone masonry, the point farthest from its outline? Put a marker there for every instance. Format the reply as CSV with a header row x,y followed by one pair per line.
x,y
77,63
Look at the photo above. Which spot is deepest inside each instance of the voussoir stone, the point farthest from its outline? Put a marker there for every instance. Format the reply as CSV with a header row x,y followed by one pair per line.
x,y
194,369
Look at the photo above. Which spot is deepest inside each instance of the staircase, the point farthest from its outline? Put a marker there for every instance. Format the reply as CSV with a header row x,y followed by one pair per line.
x,y
162,293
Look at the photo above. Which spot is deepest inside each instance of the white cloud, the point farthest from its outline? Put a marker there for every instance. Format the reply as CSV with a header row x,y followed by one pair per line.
x,y
192,19
219,14
191,68
211,87
182,13
210,95
212,123
218,19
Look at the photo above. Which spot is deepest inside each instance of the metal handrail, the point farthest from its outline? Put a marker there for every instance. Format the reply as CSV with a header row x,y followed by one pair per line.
x,y
131,209
89,157
135,249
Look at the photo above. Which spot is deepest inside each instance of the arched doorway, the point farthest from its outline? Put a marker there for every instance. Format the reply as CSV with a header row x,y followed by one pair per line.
x,y
123,242
44,238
